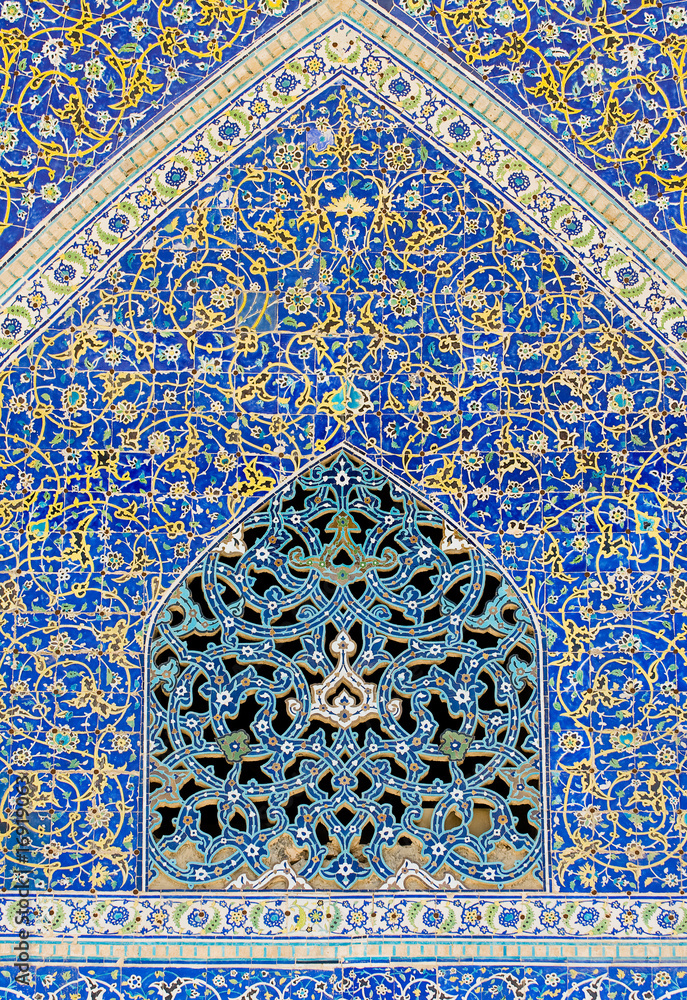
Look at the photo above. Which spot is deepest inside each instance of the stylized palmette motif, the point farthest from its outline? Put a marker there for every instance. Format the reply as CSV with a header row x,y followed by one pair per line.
x,y
347,686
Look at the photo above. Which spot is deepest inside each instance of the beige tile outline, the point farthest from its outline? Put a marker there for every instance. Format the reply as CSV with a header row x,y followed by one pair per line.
x,y
389,950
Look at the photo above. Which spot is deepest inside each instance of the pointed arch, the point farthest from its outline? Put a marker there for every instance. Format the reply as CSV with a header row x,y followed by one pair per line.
x,y
344,689
533,436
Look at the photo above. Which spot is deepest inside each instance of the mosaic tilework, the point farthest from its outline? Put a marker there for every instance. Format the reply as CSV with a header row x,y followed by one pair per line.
x,y
606,81
466,982
318,687
343,269
303,917
453,347
399,91
80,81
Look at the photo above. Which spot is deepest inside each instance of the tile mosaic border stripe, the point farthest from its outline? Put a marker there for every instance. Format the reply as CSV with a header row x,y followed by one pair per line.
x,y
398,950
384,916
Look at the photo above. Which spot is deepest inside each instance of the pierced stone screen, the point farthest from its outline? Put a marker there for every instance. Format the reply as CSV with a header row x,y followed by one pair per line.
x,y
344,693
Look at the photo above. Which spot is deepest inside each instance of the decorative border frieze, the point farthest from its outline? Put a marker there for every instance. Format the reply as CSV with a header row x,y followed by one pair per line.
x,y
309,917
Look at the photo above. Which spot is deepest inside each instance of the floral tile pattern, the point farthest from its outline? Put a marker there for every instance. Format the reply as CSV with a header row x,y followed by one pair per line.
x,y
80,81
338,776
605,79
367,294
467,982
300,916
478,364
400,92
343,278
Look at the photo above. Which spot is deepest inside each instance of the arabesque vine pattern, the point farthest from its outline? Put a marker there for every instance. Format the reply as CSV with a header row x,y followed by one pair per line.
x,y
345,685
345,281
89,252
606,80
80,80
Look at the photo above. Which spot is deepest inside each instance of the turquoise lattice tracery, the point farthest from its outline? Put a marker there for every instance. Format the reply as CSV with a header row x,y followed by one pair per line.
x,y
344,687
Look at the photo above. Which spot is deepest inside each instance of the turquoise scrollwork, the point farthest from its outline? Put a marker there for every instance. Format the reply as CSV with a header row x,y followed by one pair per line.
x,y
344,686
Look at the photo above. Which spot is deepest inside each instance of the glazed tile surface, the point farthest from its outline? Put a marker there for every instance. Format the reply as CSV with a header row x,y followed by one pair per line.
x,y
373,748
468,981
388,306
606,80
303,916
342,580
402,93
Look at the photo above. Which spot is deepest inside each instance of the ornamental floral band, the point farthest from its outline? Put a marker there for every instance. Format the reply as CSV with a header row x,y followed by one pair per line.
x,y
303,916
